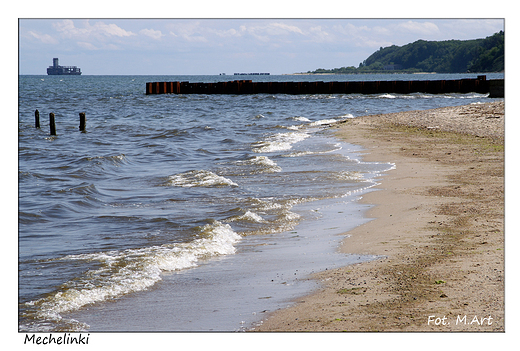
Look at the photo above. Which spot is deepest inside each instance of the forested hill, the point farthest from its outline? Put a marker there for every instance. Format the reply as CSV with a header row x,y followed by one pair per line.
x,y
451,56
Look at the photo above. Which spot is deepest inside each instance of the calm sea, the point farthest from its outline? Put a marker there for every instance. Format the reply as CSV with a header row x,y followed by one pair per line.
x,y
186,212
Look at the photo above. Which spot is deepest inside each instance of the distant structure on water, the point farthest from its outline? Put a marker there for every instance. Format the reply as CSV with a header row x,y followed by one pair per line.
x,y
57,70
251,74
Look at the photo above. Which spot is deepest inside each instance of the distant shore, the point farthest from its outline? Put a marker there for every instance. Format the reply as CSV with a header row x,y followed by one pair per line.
x,y
332,74
438,229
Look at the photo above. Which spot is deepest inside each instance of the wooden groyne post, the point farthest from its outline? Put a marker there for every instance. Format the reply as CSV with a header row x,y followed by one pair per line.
x,y
52,123
82,121
467,85
496,88
36,119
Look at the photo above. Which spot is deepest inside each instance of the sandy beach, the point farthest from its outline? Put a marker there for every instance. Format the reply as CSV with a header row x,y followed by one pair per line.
x,y
438,228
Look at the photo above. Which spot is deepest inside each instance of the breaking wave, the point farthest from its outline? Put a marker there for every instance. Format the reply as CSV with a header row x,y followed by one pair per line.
x,y
200,178
132,270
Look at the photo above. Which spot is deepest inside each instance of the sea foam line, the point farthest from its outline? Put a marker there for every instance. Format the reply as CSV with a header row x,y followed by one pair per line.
x,y
279,142
132,270
200,178
265,163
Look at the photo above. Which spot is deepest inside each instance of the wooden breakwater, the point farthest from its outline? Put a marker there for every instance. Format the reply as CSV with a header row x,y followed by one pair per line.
x,y
478,85
52,122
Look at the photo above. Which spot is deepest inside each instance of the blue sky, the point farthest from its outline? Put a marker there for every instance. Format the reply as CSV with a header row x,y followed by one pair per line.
x,y
213,46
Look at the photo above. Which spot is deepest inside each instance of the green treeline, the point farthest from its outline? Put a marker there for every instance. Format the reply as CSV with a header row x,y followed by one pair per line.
x,y
451,56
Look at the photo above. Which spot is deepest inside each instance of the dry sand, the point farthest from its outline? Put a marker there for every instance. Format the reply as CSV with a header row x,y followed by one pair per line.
x,y
438,227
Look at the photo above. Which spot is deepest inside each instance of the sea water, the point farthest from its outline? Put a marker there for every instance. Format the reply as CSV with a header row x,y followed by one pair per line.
x,y
186,212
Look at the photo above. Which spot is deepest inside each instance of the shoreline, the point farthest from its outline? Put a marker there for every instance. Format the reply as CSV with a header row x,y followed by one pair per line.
x,y
367,73
438,225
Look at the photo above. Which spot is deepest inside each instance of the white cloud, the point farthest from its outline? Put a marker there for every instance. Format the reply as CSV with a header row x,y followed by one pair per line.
x,y
88,36
66,28
378,30
99,30
274,33
196,38
471,28
384,33
152,33
350,29
190,32
111,30
44,38
87,46
284,28
424,28
375,44
221,33
263,32
227,33
320,35
357,35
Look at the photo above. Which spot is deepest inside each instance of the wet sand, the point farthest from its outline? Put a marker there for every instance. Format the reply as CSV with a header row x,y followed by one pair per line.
x,y
438,227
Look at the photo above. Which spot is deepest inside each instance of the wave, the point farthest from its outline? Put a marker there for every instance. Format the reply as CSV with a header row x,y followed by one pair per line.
x,y
248,216
267,216
279,142
316,123
301,119
131,270
265,205
345,175
264,164
323,122
305,153
202,178
387,96
347,115
116,160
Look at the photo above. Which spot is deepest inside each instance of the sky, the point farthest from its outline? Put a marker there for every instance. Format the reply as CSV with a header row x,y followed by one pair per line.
x,y
104,46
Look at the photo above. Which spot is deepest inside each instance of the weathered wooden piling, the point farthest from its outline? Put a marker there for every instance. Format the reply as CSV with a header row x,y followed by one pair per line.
x,y
478,85
36,119
52,123
496,88
82,121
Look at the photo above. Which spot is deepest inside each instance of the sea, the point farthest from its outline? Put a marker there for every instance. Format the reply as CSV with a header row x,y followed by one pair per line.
x,y
187,212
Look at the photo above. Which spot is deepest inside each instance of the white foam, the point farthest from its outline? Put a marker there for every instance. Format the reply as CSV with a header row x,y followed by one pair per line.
x,y
387,96
279,142
265,205
304,153
132,270
290,216
248,217
301,119
344,175
300,153
264,162
200,178
470,96
322,122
